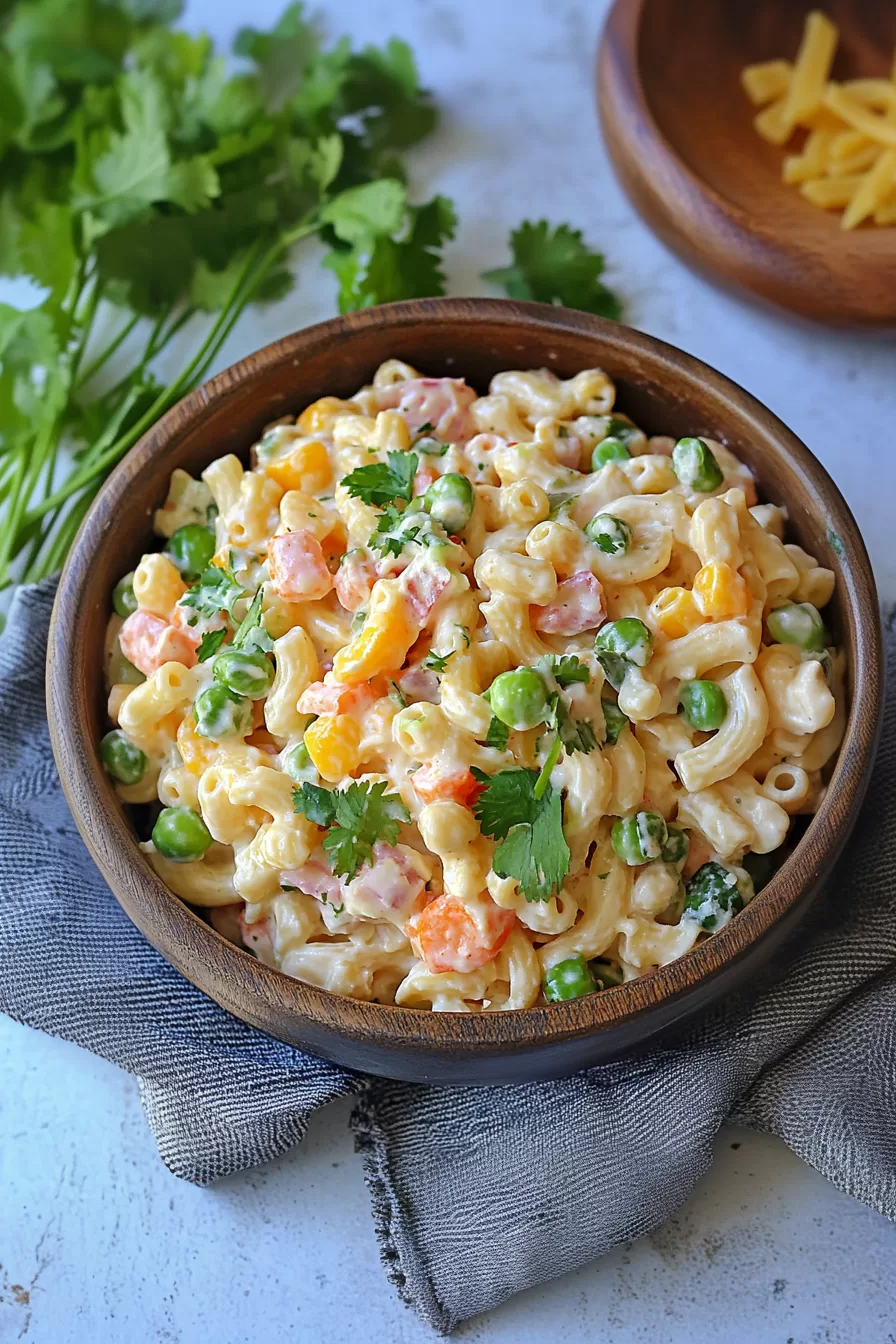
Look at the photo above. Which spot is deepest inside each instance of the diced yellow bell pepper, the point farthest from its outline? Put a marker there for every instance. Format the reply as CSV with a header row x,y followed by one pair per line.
x,y
197,753
383,644
305,467
675,612
720,591
318,417
333,741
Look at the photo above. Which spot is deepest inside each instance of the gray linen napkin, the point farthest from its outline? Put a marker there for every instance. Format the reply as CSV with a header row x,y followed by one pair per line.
x,y
477,1192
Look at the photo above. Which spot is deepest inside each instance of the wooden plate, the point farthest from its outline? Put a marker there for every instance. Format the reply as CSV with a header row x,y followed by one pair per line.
x,y
679,130
665,391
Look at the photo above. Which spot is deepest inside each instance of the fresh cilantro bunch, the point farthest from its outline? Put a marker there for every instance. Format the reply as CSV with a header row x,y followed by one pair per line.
x,y
527,820
146,184
555,266
355,817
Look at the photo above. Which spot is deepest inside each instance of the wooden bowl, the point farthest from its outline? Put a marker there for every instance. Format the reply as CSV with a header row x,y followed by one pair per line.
x,y
665,391
679,130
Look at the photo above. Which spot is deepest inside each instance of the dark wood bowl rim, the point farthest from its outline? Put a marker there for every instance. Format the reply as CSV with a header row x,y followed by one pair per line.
x,y
183,936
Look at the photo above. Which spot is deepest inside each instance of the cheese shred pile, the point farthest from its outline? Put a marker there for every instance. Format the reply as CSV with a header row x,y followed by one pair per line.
x,y
848,159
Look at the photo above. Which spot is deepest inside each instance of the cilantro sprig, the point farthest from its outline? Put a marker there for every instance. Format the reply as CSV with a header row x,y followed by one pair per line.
x,y
210,643
497,735
529,827
217,590
437,662
251,634
147,185
356,817
567,670
395,530
383,482
555,266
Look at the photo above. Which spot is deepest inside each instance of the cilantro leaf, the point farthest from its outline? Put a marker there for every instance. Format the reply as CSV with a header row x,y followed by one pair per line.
x,y
567,670
382,482
364,814
532,847
555,266
317,804
394,530
384,87
217,590
497,734
210,643
356,817
575,734
251,634
560,502
370,263
437,662
361,214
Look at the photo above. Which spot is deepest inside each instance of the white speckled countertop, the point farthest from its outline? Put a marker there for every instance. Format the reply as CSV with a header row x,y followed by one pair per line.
x,y
98,1243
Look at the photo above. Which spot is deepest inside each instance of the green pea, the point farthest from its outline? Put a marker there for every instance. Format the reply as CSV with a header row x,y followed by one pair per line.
x,y
219,713
359,620
799,623
450,501
430,446
124,673
695,465
606,973
191,548
122,758
639,837
180,835
623,430
611,535
620,643
123,599
519,699
822,656
609,450
614,720
298,765
703,704
678,842
245,672
570,979
714,894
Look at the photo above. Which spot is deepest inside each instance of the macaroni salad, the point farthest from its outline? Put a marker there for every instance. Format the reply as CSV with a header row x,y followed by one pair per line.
x,y
457,702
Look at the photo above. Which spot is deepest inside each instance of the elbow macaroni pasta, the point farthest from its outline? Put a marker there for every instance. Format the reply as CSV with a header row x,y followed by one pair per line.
x,y
377,654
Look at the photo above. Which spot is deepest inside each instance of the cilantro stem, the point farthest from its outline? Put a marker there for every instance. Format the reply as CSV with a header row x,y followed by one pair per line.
x,y
97,462
86,324
106,354
544,778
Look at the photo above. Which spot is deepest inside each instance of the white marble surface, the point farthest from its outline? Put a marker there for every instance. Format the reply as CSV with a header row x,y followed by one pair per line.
x,y
98,1243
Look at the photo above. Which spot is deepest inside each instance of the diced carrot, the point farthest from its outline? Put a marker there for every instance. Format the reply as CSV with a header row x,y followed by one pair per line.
x,y
437,785
354,579
148,642
447,937
298,568
423,479
321,698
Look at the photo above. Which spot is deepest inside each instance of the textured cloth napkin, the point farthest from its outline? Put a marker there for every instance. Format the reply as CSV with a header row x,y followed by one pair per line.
x,y
477,1192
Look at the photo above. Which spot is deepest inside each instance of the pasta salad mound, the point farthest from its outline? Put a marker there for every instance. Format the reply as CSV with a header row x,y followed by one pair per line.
x,y
471,702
